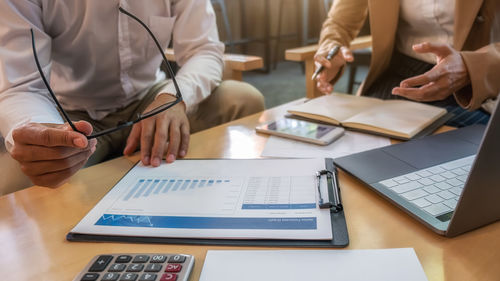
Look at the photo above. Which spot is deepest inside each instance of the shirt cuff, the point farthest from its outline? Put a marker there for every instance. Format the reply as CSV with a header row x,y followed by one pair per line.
x,y
9,141
170,89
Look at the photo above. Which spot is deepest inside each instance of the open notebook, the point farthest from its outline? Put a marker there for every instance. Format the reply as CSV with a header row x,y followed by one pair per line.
x,y
395,118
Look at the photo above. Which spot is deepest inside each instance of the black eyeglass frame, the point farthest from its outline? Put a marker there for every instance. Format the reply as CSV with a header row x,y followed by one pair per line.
x,y
123,125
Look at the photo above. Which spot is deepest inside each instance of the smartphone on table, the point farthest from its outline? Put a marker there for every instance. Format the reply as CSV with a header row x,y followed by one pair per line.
x,y
302,130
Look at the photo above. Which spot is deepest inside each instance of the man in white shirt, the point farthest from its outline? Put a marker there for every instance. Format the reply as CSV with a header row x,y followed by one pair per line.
x,y
104,69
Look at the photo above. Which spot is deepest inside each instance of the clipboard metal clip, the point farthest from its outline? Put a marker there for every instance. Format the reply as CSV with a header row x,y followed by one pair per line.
x,y
331,178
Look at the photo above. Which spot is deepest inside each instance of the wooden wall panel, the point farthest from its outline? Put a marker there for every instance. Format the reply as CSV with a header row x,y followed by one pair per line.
x,y
248,20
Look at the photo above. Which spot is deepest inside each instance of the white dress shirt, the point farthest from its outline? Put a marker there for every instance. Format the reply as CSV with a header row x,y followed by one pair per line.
x,y
424,21
98,59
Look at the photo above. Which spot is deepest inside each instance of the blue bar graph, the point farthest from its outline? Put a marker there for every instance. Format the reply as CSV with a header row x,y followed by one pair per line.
x,y
169,185
193,184
160,186
185,185
151,187
133,190
177,185
144,188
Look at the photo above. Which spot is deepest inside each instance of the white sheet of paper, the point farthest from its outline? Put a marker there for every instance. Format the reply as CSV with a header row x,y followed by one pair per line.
x,y
349,143
230,199
317,265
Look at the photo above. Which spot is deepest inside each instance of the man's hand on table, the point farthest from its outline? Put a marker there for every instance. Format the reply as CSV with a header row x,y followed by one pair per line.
x,y
164,133
49,154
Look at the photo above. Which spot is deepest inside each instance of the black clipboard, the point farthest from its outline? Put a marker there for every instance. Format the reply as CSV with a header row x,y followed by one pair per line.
x,y
340,237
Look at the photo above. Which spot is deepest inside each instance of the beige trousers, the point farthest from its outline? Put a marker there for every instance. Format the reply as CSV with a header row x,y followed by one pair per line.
x,y
230,101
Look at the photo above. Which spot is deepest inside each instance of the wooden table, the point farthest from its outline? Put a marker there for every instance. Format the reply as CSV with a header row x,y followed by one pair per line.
x,y
34,221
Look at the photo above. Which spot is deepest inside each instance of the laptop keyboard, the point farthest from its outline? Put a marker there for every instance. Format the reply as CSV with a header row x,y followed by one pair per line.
x,y
436,189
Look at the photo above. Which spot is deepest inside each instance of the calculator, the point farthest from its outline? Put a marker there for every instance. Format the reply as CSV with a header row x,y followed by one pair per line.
x,y
137,267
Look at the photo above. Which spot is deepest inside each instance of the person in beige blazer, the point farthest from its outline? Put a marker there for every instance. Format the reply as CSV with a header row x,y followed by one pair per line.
x,y
465,71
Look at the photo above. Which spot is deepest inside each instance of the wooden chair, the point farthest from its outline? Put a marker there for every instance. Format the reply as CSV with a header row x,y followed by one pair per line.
x,y
306,55
234,64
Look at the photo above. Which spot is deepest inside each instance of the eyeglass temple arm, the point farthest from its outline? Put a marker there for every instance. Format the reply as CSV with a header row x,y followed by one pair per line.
x,y
47,85
130,123
169,68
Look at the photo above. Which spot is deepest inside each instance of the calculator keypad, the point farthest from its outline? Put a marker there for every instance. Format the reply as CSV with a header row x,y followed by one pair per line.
x,y
138,267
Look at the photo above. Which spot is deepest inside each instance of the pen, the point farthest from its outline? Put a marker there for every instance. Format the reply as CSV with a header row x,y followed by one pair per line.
x,y
334,51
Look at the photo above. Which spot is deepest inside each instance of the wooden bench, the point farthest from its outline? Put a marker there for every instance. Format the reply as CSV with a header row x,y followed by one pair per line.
x,y
234,64
306,55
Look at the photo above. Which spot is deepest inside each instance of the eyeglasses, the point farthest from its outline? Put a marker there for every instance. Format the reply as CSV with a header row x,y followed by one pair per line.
x,y
122,125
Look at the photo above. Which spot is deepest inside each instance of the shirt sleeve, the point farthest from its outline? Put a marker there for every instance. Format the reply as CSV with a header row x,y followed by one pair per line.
x,y
343,23
23,96
198,51
483,66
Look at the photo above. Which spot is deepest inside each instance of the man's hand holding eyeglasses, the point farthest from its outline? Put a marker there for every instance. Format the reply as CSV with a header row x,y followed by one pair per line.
x,y
164,133
49,154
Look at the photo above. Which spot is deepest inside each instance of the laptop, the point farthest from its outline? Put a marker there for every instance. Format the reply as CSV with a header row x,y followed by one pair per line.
x,y
449,181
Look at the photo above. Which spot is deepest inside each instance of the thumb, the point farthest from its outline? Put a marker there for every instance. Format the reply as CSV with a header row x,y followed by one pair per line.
x,y
322,61
84,127
347,54
440,50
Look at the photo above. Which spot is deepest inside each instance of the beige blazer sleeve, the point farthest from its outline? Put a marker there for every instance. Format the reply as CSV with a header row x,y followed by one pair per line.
x,y
483,66
344,21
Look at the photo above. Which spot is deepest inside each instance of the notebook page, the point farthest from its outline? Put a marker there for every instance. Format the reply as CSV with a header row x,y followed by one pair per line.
x,y
400,117
335,107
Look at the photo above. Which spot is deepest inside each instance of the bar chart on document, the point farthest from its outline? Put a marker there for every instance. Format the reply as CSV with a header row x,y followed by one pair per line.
x,y
215,198
227,195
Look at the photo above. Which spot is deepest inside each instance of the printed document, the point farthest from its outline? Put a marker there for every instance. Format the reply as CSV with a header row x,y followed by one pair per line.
x,y
218,199
317,265
349,143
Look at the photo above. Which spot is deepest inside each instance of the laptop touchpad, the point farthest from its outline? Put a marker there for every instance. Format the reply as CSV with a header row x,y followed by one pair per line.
x,y
433,150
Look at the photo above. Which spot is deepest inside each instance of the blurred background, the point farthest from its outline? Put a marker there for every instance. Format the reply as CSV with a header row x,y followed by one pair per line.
x,y
267,28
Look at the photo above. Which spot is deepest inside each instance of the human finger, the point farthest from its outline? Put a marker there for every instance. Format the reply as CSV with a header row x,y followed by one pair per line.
x,y
321,60
56,179
324,87
430,76
440,50
321,77
133,139
28,153
39,134
82,126
173,141
328,74
346,54
147,138
160,139
429,92
36,168
184,139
